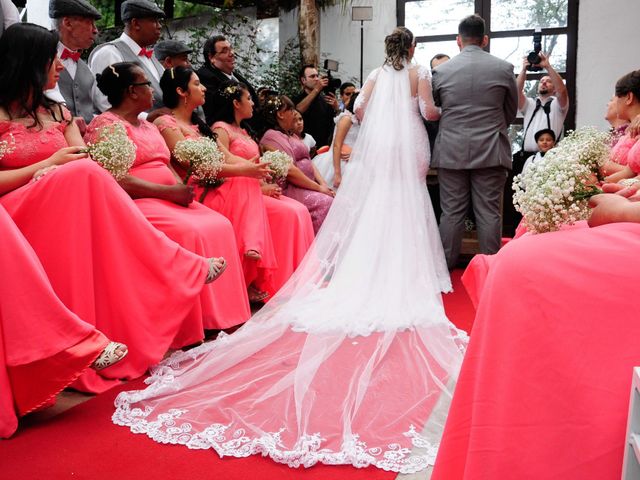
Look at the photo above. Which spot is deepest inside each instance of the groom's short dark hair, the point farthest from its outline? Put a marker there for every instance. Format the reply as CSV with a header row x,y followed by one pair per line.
x,y
471,29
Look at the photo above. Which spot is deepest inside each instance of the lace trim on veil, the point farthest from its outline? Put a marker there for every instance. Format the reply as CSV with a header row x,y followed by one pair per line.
x,y
307,451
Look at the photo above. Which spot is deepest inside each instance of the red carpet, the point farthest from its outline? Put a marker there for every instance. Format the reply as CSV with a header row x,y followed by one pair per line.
x,y
83,444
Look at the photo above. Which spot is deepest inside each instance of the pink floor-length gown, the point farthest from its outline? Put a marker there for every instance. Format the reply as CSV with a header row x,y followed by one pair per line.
x,y
317,203
239,199
104,260
289,220
44,347
223,303
544,387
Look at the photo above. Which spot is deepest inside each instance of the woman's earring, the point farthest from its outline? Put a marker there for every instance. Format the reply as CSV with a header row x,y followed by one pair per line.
x,y
185,99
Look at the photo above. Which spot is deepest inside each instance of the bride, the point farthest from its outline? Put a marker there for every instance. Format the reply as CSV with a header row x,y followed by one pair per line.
x,y
353,361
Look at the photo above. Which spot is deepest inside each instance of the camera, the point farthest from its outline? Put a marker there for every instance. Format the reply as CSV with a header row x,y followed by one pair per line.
x,y
534,58
334,83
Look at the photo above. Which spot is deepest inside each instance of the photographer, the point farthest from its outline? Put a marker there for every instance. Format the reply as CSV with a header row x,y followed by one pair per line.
x,y
318,107
548,110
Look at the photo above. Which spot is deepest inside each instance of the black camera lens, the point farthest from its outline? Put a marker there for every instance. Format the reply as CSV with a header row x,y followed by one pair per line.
x,y
533,58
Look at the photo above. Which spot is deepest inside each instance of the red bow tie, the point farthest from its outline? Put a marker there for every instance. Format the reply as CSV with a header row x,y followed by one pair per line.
x,y
66,53
146,53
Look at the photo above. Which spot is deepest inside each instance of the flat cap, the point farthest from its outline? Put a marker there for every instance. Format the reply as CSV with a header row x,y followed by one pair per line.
x,y
169,48
140,9
72,8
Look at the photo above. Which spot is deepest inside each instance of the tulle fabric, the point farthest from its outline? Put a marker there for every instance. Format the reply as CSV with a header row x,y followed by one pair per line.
x,y
353,361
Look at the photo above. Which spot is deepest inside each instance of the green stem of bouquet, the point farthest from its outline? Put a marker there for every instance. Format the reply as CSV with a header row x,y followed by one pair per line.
x,y
587,193
204,194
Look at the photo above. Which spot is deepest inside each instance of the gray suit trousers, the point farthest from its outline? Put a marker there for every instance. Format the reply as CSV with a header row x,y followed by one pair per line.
x,y
483,187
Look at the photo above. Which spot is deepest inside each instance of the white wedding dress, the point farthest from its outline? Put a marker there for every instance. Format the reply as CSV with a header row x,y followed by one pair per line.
x,y
324,161
353,361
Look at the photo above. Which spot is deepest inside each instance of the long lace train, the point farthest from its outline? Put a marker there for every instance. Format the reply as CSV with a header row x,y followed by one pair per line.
x,y
354,360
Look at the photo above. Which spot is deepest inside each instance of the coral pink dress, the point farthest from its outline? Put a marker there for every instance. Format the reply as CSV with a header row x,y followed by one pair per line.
x,y
104,260
627,152
43,346
317,203
240,200
544,388
223,303
289,220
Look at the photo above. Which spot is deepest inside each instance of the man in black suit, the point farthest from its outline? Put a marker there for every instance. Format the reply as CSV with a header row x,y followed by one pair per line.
x,y
219,67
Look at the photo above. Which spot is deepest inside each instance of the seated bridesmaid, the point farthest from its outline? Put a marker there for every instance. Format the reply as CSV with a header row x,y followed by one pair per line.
x,y
166,201
303,183
239,198
625,155
44,347
333,163
104,260
543,392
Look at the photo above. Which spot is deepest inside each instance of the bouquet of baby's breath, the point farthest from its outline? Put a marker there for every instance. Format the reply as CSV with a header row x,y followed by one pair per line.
x,y
205,161
556,190
279,163
113,150
7,146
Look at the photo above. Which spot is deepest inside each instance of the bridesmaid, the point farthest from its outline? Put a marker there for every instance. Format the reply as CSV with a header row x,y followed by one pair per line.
x,y
107,264
304,183
239,198
44,347
289,223
167,202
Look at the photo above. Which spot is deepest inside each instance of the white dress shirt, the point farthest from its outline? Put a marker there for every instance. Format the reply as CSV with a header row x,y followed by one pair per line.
x,y
71,67
108,55
10,13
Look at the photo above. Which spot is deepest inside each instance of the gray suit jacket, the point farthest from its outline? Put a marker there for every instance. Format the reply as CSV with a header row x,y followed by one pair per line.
x,y
479,99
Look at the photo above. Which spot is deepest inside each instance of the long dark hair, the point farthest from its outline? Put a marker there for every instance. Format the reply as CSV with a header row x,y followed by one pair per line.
x,y
26,54
115,80
179,77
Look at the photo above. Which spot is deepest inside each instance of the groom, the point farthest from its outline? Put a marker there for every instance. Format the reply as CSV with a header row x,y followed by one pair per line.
x,y
479,99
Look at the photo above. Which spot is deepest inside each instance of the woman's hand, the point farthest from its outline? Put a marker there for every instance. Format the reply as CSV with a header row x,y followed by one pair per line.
x,y
254,168
43,171
337,180
66,155
271,190
327,191
608,208
180,194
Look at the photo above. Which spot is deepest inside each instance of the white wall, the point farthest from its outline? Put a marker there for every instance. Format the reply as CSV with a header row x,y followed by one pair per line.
x,y
340,36
608,47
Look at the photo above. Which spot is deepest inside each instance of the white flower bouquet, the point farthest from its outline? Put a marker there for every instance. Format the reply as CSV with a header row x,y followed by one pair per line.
x,y
7,146
279,163
113,150
555,191
205,161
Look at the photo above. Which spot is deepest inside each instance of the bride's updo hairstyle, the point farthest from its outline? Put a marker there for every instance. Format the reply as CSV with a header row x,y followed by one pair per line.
x,y
115,80
396,47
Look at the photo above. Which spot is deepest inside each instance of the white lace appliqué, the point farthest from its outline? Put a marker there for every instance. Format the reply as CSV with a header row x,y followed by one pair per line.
x,y
306,452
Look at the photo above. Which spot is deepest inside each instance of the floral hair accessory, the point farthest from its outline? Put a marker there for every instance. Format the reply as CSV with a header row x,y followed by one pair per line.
x,y
230,91
273,104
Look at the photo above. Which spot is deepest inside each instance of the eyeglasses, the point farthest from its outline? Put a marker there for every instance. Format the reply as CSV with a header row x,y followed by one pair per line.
x,y
140,84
